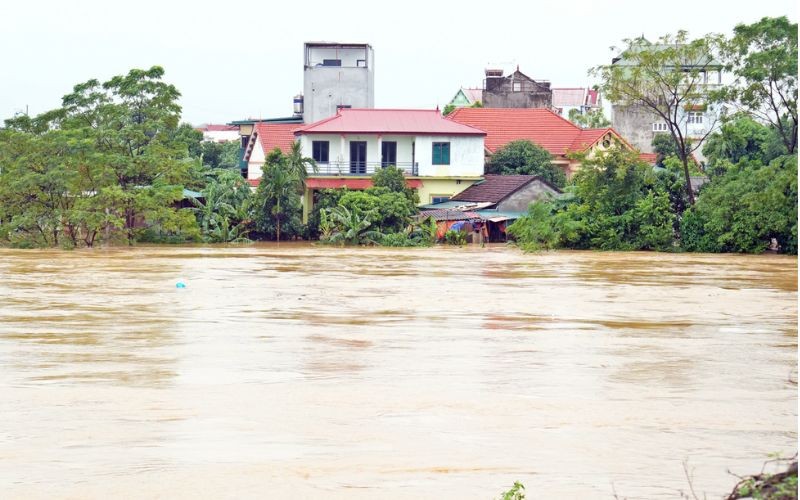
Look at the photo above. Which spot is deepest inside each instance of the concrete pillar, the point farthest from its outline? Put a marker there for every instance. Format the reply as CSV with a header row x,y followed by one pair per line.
x,y
308,203
380,150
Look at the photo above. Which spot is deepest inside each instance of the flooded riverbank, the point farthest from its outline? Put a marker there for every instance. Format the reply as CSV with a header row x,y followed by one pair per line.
x,y
294,371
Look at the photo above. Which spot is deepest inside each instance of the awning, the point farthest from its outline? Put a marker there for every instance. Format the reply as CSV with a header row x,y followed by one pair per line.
x,y
499,219
344,182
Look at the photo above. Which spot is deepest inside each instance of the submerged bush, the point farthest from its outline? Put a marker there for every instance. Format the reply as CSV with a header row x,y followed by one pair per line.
x,y
744,209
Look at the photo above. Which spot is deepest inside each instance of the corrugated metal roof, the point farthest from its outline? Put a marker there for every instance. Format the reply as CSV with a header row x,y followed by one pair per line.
x,y
389,121
446,214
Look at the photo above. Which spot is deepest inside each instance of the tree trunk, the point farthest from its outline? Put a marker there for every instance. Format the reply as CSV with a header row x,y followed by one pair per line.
x,y
689,190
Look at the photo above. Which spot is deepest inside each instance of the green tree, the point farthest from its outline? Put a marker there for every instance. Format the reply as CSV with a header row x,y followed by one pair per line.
x,y
298,165
387,211
449,108
525,157
593,118
277,199
763,56
617,202
741,138
665,78
115,153
393,179
664,146
743,209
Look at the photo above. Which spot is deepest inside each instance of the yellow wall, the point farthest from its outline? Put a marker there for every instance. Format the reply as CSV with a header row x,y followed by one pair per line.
x,y
447,186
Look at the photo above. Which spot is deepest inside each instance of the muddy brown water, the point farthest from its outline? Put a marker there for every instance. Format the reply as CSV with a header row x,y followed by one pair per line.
x,y
294,371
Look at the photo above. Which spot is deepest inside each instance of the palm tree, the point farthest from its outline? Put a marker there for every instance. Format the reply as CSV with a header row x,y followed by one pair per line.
x,y
278,184
298,164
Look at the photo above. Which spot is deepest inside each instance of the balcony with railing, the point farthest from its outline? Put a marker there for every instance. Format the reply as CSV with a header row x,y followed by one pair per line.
x,y
361,168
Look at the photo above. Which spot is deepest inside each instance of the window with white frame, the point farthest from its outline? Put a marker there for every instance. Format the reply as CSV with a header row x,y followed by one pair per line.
x,y
695,117
659,127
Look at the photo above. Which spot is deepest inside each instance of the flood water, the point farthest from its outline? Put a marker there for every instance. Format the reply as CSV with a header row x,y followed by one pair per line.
x,y
295,371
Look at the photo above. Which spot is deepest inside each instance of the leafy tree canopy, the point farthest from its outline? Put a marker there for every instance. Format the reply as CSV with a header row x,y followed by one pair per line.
x,y
593,118
763,57
526,158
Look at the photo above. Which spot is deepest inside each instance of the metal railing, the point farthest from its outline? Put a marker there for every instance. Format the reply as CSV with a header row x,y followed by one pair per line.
x,y
361,168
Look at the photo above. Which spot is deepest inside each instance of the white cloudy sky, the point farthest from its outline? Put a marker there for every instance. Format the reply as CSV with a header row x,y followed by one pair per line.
x,y
237,59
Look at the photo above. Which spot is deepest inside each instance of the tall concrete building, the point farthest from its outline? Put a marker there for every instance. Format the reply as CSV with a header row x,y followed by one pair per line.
x,y
337,75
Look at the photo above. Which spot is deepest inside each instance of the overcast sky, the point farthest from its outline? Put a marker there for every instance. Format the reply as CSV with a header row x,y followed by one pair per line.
x,y
244,59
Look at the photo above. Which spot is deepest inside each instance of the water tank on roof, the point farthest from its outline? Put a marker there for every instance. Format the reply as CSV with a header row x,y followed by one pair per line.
x,y
298,104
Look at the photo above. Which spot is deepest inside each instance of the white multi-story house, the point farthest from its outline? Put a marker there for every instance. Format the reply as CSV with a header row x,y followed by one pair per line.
x,y
439,157
639,125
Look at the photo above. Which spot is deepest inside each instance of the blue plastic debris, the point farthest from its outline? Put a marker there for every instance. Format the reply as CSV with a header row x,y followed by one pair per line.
x,y
180,284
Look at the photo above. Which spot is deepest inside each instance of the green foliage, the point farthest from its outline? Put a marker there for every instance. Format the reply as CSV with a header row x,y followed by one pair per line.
x,y
449,108
536,231
458,238
220,154
109,164
763,56
323,200
388,211
593,118
525,157
298,165
393,179
517,492
350,228
664,78
744,208
276,203
225,212
741,139
617,203
664,146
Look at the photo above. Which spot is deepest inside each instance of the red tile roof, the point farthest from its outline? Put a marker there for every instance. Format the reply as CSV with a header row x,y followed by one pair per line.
x,y
389,121
272,135
540,126
650,158
496,188
587,137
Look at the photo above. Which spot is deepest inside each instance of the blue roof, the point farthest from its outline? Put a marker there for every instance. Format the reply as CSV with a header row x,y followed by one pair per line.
x,y
188,193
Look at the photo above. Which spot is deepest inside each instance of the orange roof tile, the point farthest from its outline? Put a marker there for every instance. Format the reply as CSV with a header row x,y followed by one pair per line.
x,y
540,126
276,135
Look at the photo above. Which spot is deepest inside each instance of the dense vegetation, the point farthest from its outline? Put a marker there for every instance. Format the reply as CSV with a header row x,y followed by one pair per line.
x,y
525,158
749,202
114,164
